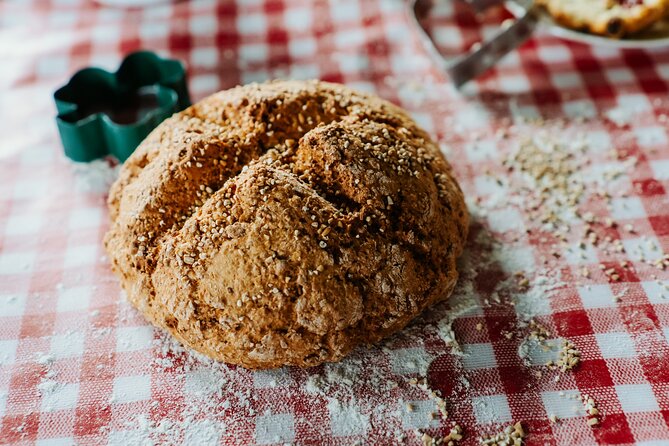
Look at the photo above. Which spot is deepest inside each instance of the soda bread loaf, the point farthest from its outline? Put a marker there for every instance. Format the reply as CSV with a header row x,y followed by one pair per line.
x,y
286,223
613,18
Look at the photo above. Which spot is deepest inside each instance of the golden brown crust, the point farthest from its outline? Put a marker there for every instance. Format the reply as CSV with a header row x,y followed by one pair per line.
x,y
286,223
612,18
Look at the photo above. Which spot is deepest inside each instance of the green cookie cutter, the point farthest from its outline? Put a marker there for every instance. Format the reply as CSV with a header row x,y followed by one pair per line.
x,y
102,113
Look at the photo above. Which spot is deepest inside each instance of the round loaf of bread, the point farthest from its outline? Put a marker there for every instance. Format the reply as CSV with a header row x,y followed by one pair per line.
x,y
286,223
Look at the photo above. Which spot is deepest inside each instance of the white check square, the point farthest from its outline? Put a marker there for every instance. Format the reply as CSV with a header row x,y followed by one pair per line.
x,y
471,118
409,361
251,24
255,76
105,33
263,379
554,53
658,293
637,398
298,19
299,48
304,71
253,52
478,356
491,409
105,61
616,345
61,441
349,38
345,11
600,174
204,383
538,354
74,299
481,150
8,351
663,70
394,32
128,389
648,248
362,86
514,83
89,217
16,262
513,260
598,141
67,345
625,208
417,414
22,224
577,255
154,30
83,255
488,185
527,303
58,396
525,112
596,296
275,428
130,339
203,432
346,420
449,34
660,169
126,437
567,80
581,108
12,305
51,66
424,120
563,404
620,75
635,102
203,25
205,83
204,57
506,219
651,136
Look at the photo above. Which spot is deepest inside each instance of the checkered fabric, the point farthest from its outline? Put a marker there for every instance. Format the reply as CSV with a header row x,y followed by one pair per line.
x,y
79,366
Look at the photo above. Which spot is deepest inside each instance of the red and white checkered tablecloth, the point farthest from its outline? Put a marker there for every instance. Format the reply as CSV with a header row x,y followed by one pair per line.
x,y
79,366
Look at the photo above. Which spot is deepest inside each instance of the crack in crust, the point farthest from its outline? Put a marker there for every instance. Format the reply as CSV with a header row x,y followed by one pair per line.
x,y
285,223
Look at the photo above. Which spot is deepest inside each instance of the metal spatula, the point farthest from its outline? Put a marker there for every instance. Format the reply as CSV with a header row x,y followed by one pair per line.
x,y
468,66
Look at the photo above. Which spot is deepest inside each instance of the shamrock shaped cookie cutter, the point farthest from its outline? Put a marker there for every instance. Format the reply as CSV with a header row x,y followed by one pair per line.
x,y
102,113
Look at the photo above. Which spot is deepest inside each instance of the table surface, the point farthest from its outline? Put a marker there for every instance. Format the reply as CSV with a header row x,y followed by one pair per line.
x,y
561,150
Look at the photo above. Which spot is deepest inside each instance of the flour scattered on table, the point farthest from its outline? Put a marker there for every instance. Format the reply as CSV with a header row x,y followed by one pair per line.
x,y
95,176
461,303
347,420
386,387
